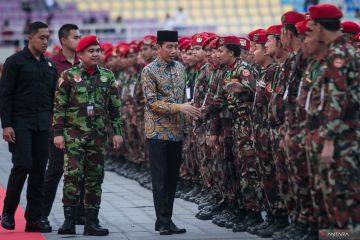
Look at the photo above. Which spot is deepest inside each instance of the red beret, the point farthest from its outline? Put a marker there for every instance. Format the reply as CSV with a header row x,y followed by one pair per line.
x,y
181,39
214,44
252,33
110,53
357,37
208,40
274,30
260,37
198,39
121,48
325,11
301,27
131,49
244,43
134,42
148,40
106,46
185,44
292,17
229,40
350,27
87,41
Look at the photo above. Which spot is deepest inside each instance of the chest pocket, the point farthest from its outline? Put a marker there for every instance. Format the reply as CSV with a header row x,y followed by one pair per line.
x,y
103,91
79,93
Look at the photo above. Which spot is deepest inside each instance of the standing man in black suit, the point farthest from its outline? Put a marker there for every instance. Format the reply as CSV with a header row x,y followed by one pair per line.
x,y
27,90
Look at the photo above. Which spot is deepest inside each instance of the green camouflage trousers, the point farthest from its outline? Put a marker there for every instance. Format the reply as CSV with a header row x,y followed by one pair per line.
x,y
84,158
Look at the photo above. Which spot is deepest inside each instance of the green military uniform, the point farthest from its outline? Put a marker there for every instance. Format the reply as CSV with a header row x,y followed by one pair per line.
x,y
82,103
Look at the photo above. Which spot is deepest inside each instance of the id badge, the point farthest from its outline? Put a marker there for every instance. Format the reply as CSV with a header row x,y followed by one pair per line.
x,y
90,110
188,93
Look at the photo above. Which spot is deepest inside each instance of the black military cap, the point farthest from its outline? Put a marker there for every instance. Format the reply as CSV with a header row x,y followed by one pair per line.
x,y
167,36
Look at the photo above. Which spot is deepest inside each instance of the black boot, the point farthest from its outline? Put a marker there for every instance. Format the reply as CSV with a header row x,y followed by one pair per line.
x,y
68,226
80,214
92,226
280,223
252,218
269,221
8,221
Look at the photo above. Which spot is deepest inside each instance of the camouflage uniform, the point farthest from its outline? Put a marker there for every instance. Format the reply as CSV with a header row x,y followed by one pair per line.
x,y
207,168
313,141
295,151
306,214
214,155
199,130
341,179
247,184
188,170
261,135
276,119
128,112
84,135
139,110
221,126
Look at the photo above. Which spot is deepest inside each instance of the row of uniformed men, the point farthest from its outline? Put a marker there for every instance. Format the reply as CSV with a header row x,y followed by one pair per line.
x,y
280,124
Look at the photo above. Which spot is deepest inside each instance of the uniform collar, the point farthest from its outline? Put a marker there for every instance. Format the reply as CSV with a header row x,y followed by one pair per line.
x,y
28,54
84,70
60,56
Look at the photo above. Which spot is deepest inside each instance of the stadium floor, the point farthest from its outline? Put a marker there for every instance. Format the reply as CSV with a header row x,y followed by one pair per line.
x,y
126,209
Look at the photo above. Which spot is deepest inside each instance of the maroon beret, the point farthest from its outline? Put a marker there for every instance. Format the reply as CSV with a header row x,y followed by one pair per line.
x,y
252,33
325,11
87,41
274,30
350,27
229,40
292,17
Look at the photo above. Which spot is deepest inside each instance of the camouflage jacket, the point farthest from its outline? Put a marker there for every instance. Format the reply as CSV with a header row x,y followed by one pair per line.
x,y
240,103
276,110
342,80
303,90
76,90
263,94
215,102
296,64
200,89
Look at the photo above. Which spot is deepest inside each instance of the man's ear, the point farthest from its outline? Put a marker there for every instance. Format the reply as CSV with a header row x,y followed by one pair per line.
x,y
62,40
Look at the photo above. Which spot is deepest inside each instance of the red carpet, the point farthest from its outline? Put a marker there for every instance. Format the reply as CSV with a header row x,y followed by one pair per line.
x,y
18,233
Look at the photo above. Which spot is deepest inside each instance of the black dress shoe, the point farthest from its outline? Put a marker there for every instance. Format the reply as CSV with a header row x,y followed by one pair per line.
x,y
8,221
37,226
174,229
165,230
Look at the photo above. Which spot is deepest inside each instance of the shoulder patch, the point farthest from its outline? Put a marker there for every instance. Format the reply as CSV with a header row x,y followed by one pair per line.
x,y
77,79
338,62
246,73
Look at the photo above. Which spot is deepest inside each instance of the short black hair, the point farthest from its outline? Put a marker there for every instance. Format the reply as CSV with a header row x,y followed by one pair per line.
x,y
332,25
292,29
235,48
65,29
35,26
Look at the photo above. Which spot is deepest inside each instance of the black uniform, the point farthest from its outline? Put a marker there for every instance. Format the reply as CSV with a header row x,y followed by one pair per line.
x,y
27,90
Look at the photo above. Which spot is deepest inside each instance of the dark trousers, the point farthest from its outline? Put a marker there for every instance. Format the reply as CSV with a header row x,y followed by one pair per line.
x,y
54,172
165,160
30,156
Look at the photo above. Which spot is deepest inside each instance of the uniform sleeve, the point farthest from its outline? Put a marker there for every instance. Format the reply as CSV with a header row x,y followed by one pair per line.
x,y
61,101
114,107
7,85
150,93
342,78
